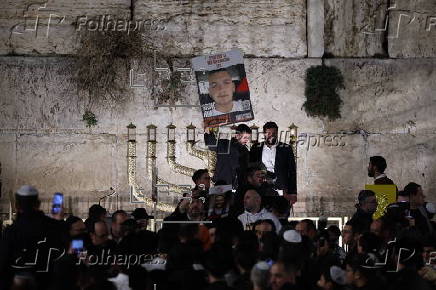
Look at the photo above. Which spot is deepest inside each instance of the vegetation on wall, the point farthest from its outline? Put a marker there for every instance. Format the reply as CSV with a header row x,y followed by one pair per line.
x,y
322,98
89,118
103,63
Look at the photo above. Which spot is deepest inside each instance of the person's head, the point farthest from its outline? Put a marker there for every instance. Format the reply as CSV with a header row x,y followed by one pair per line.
x,y
76,226
306,228
221,89
376,227
97,212
403,196
361,270
347,234
245,259
429,247
282,273
243,134
26,199
270,130
188,232
368,243
376,166
332,278
212,230
255,176
261,227
118,217
323,243
281,207
98,232
129,226
334,234
141,217
196,209
252,201
220,201
201,176
260,276
367,201
217,262
417,197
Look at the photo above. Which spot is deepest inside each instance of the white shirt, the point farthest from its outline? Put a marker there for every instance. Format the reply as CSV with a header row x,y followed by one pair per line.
x,y
249,218
269,157
380,176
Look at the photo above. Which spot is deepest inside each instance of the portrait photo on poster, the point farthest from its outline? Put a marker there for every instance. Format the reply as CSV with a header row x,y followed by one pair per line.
x,y
223,88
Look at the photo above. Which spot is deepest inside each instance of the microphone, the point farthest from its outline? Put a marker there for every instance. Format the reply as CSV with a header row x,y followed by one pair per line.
x,y
107,195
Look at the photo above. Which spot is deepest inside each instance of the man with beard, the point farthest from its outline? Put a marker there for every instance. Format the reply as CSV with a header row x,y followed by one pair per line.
x,y
278,159
254,211
376,169
366,207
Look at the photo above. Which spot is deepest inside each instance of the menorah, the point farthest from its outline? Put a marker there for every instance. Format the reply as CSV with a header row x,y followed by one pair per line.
x,y
136,192
207,156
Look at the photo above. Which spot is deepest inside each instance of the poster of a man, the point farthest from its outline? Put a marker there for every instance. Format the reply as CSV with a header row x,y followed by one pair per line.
x,y
223,88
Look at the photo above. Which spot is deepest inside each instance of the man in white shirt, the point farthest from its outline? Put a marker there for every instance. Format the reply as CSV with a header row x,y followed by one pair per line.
x,y
254,212
278,158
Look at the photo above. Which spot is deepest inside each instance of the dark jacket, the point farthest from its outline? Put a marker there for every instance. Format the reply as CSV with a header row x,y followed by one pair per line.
x,y
284,167
232,159
219,285
361,221
383,180
33,236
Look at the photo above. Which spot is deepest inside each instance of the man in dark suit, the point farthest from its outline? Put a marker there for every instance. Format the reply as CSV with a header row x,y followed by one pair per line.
x,y
278,158
232,155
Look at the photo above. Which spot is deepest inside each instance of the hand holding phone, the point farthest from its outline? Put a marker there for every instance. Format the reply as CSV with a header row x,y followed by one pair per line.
x,y
57,204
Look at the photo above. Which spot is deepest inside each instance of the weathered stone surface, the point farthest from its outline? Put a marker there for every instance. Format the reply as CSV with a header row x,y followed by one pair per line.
x,y
43,140
412,29
51,27
351,28
315,28
259,28
387,96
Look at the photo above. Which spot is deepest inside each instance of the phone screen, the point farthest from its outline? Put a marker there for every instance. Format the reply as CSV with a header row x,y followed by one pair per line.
x,y
58,200
77,246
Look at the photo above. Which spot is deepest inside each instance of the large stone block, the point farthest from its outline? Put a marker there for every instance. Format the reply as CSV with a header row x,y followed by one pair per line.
x,y
52,26
351,28
259,28
387,96
412,29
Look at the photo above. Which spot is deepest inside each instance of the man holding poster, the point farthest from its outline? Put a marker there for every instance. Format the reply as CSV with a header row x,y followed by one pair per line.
x,y
223,88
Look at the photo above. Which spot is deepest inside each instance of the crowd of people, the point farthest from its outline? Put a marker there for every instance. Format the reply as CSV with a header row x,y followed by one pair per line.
x,y
235,234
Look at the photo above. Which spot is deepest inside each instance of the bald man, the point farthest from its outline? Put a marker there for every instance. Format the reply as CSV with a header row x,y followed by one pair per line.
x,y
254,211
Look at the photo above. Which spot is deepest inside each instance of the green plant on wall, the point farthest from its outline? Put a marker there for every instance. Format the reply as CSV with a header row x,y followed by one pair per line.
x,y
89,118
322,98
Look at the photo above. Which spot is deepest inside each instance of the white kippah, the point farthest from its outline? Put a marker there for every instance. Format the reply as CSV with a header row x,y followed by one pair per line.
x,y
27,190
430,207
292,236
263,266
338,275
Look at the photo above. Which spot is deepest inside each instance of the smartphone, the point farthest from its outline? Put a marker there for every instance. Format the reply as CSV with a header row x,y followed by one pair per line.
x,y
77,246
58,201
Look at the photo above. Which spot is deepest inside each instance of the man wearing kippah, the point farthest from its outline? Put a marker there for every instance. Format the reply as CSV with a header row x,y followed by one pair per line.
x,y
32,243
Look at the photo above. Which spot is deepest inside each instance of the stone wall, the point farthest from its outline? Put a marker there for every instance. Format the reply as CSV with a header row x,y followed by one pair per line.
x,y
389,100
